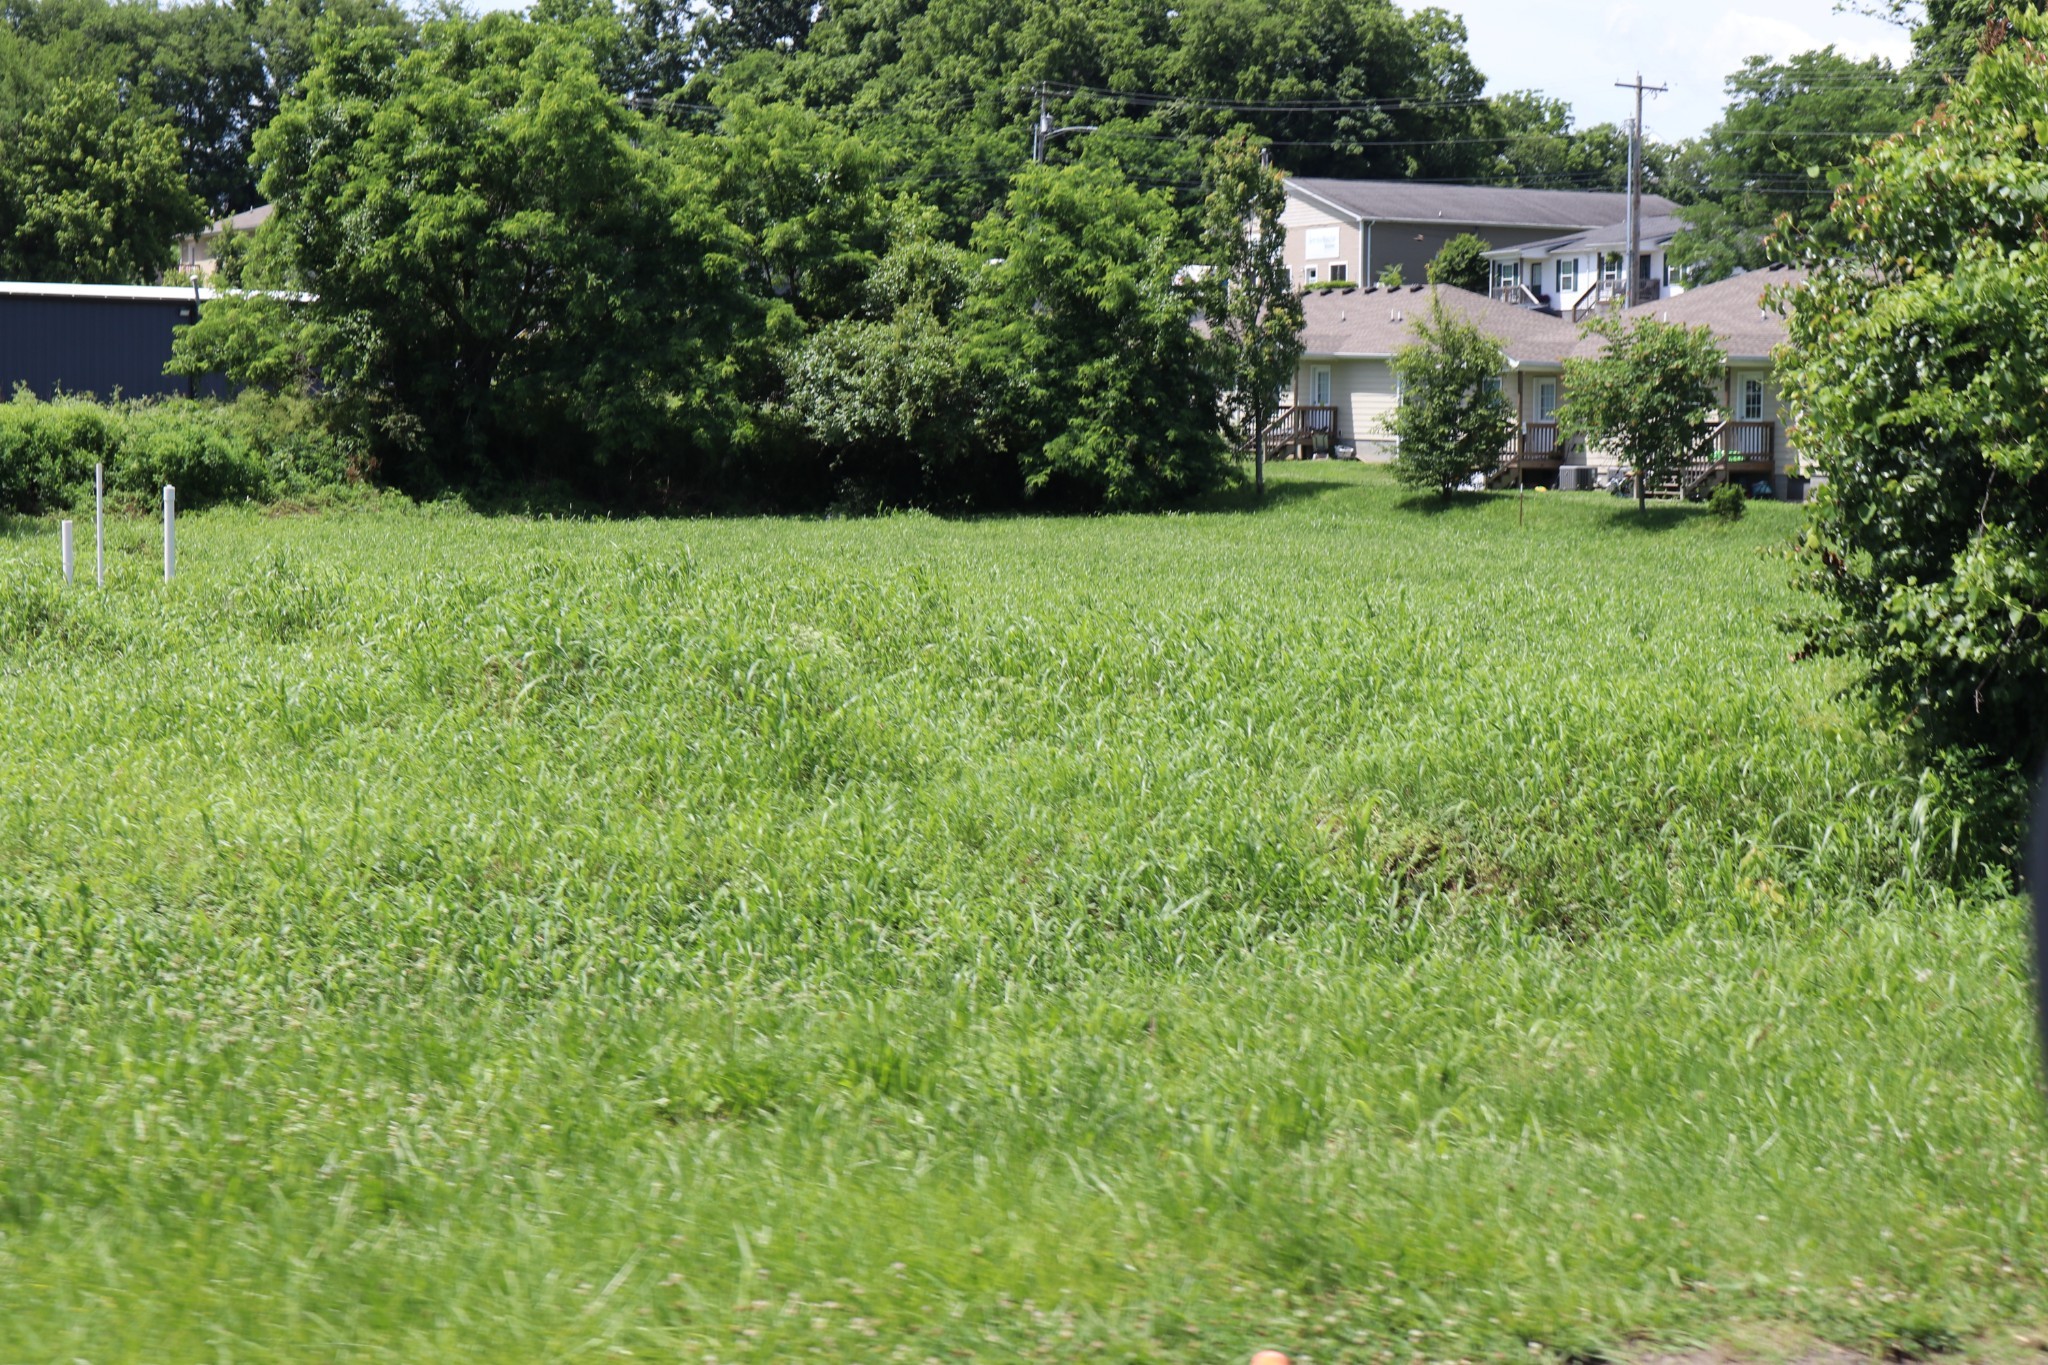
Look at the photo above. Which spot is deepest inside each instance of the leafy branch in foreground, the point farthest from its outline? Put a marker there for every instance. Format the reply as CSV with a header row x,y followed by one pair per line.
x,y
1916,397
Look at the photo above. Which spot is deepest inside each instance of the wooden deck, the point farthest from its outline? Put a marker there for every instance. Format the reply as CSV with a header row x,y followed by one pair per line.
x,y
1302,431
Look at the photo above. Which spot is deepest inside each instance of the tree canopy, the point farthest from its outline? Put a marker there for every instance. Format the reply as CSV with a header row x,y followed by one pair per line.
x,y
1770,165
1453,420
1648,396
1915,394
504,277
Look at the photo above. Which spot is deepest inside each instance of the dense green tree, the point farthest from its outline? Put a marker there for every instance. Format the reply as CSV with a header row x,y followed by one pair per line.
x,y
1770,165
1917,394
1461,263
1254,315
891,396
216,69
1539,147
804,197
1453,421
947,90
506,278
1648,397
90,188
1100,386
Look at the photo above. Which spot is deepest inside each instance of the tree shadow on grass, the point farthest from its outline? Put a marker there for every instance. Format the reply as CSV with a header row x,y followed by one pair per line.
x,y
1658,516
1461,503
1279,493
13,527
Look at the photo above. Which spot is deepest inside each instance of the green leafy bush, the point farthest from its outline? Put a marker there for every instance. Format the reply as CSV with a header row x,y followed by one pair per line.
x,y
187,446
258,446
1917,394
45,448
1727,502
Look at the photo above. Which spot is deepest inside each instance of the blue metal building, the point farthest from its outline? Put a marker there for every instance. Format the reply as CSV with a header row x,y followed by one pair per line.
x,y
106,340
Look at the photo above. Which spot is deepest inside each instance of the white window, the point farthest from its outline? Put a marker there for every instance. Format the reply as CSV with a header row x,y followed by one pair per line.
x,y
1568,275
1546,400
1319,386
1308,275
1319,243
1338,273
1752,400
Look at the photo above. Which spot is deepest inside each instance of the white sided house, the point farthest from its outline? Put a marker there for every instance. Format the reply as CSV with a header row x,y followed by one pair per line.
x,y
1344,389
1349,231
1749,444
1579,273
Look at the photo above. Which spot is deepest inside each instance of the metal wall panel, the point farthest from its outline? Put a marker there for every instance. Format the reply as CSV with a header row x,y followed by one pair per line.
x,y
102,347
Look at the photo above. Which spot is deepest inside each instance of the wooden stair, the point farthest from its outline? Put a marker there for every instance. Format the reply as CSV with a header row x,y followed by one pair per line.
x,y
1698,475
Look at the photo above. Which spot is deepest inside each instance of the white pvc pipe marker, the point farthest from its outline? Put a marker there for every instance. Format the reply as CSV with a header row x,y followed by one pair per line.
x,y
99,525
64,539
170,531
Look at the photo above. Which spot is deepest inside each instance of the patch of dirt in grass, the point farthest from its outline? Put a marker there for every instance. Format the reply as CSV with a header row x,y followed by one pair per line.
x,y
1776,1345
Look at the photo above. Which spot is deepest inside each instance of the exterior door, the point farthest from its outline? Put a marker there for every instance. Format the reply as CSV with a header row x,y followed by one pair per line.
x,y
1319,386
1546,400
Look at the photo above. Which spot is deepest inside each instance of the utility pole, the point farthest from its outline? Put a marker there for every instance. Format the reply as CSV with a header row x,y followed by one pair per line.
x,y
1631,264
1038,129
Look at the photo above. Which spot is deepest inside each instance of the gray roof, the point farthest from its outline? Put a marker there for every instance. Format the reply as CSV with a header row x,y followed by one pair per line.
x,y
1411,201
1734,309
1657,230
1371,322
248,220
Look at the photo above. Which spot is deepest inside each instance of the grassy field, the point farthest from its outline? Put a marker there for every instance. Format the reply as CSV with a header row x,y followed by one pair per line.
x,y
1372,930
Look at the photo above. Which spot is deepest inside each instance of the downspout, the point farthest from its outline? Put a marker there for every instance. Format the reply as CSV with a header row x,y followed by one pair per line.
x,y
1366,276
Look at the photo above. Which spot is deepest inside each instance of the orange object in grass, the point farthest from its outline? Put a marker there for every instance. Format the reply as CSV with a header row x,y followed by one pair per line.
x,y
1270,1358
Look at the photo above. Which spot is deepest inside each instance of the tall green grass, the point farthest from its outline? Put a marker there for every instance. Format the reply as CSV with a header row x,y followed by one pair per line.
x,y
1367,929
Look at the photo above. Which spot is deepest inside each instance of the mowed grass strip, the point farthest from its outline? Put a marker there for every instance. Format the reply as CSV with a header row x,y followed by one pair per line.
x,y
1350,925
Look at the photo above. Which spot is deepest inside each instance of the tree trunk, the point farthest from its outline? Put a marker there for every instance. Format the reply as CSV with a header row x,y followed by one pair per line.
x,y
1259,452
1642,491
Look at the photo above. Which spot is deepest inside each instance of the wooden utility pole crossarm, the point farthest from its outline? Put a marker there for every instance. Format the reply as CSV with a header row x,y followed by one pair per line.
x,y
1630,265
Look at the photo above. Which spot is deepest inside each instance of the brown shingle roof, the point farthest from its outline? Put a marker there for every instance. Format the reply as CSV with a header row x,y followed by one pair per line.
x,y
1409,201
1734,308
1370,321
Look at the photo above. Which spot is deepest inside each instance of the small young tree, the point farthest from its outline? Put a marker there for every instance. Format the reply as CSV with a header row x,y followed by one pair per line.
x,y
1254,314
1915,388
1453,420
1390,278
1461,263
1649,395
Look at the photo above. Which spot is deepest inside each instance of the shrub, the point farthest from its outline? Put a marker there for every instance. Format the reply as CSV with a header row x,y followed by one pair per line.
x,y
1461,263
48,448
185,443
1727,502
258,446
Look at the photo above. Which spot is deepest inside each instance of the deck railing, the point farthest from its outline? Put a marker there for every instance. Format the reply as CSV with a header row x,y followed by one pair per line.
x,y
1305,428
1743,442
1540,438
